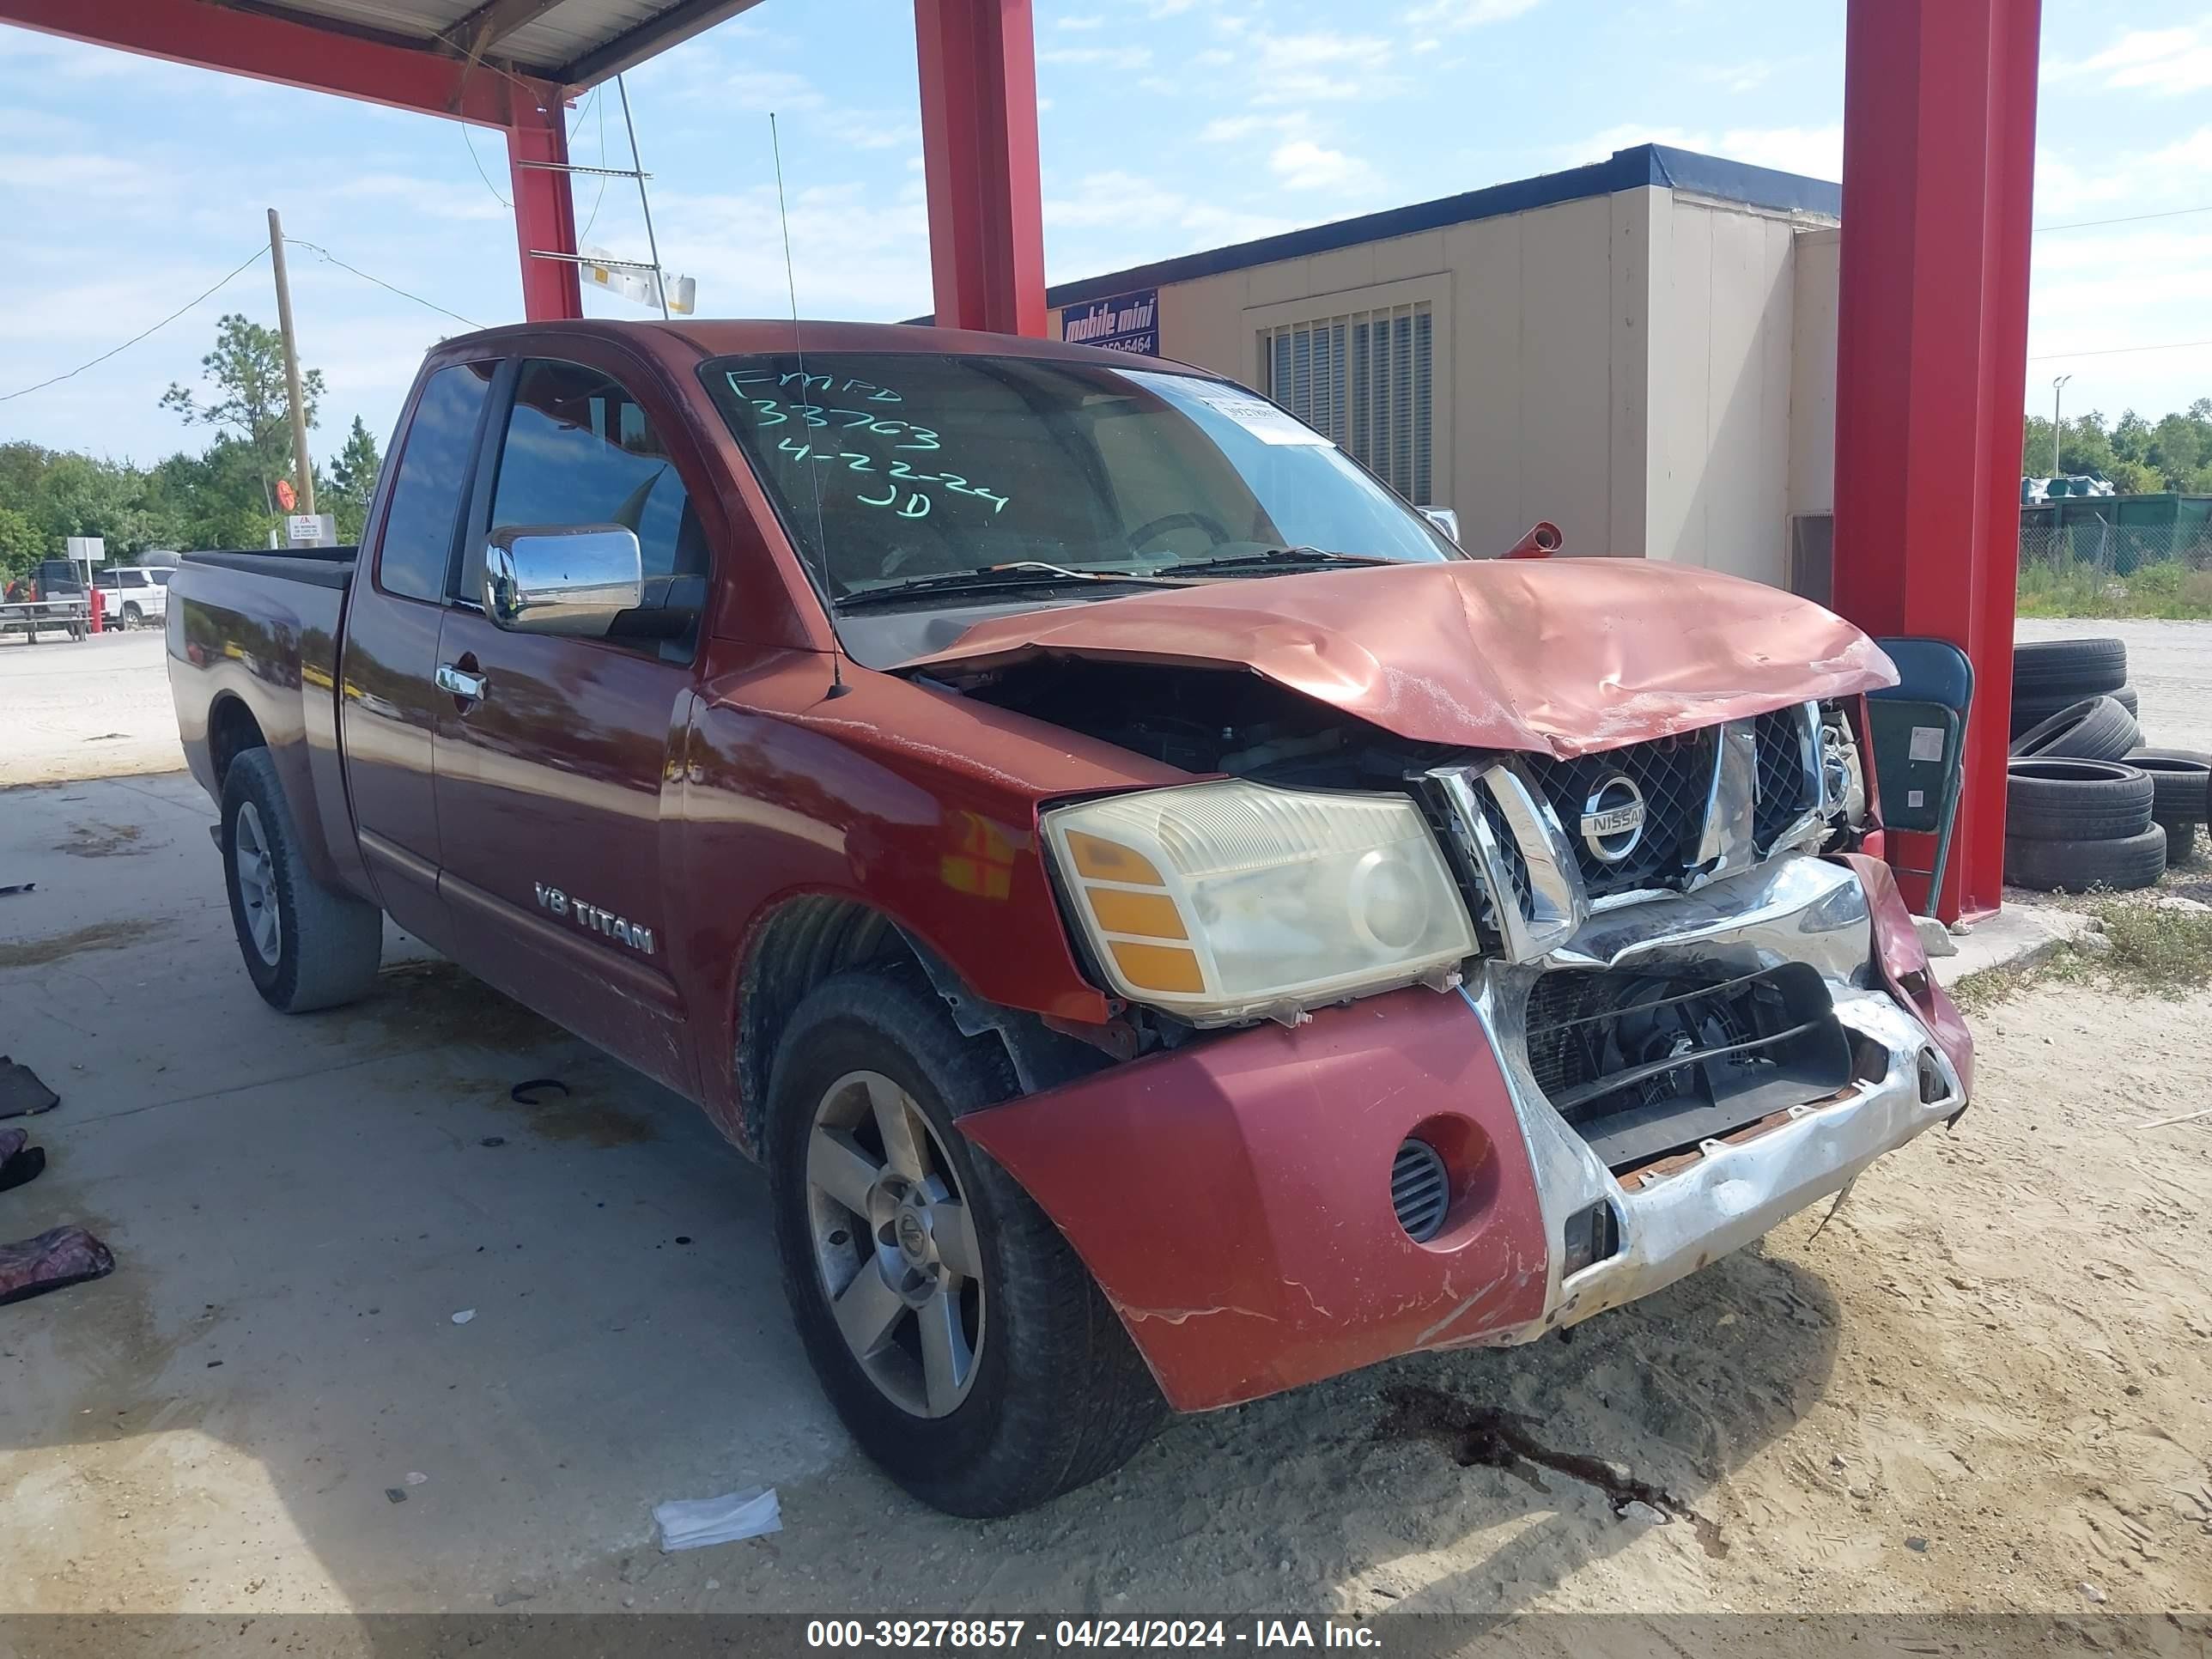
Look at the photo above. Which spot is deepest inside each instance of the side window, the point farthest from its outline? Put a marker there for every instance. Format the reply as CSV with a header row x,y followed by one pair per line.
x,y
417,549
133,578
579,450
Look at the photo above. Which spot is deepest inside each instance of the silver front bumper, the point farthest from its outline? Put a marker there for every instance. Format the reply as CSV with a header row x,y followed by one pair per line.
x,y
1794,908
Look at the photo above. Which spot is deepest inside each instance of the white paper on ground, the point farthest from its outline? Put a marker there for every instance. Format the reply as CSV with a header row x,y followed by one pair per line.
x,y
687,1523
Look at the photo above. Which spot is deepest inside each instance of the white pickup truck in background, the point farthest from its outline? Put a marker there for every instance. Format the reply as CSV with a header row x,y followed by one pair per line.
x,y
134,596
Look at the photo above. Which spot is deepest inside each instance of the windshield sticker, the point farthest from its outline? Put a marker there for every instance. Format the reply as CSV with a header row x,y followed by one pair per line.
x,y
1269,424
841,426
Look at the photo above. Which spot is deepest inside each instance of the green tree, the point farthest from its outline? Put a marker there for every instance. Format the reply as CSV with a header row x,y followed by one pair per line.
x,y
248,401
2138,456
353,480
22,546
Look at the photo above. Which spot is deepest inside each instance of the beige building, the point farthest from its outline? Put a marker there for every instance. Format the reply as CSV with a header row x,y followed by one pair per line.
x,y
1642,350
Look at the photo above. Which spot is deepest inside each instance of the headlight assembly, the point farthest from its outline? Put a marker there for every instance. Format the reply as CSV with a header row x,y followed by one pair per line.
x,y
1219,902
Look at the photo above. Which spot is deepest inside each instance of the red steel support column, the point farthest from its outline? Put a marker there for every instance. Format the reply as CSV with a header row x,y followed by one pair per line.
x,y
544,206
1939,151
979,148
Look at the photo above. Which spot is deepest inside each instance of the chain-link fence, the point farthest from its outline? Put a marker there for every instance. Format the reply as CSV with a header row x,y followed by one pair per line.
x,y
2097,569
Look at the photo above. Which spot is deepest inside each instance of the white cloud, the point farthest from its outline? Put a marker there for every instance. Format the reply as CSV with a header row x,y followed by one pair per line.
x,y
1137,208
84,176
2174,175
873,130
1233,129
1815,152
1304,165
1090,22
852,254
2168,61
1120,57
424,198
1468,14
1321,65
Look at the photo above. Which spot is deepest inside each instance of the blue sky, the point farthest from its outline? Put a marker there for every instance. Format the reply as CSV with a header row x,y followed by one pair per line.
x,y
1166,125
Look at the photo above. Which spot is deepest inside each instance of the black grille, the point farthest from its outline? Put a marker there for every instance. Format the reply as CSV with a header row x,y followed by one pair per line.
x,y
1675,775
1785,791
1420,1190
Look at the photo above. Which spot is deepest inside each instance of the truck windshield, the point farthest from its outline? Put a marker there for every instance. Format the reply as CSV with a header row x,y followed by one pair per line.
x,y
888,468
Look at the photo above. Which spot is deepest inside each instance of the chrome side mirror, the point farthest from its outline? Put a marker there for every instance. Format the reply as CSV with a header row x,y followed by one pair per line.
x,y
1445,519
571,580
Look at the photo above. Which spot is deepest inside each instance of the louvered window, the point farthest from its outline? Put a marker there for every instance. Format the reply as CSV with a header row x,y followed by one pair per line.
x,y
1366,380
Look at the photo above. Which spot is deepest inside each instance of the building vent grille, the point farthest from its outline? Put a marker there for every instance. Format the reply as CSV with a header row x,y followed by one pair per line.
x,y
1367,379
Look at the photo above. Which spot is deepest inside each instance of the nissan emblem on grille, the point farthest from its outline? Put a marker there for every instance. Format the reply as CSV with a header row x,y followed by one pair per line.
x,y
1613,820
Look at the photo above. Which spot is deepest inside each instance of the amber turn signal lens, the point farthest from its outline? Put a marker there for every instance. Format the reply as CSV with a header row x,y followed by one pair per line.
x,y
1158,967
1108,860
1149,915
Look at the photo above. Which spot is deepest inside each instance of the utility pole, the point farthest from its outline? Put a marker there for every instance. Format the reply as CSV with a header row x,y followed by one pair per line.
x,y
2057,390
300,461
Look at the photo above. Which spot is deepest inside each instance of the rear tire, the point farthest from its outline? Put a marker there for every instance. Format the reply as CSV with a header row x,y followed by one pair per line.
x,y
133,617
304,947
1043,1392
2075,866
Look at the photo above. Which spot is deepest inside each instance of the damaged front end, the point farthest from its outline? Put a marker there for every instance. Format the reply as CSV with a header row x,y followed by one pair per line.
x,y
1688,1010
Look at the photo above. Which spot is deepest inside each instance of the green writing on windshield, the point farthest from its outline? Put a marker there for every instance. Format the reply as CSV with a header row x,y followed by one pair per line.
x,y
895,484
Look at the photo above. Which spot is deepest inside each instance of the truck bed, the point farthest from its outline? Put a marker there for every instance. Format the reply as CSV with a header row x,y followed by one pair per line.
x,y
253,655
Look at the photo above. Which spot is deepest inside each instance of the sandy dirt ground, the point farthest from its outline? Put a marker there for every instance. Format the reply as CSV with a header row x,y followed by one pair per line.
x,y
94,709
1986,1385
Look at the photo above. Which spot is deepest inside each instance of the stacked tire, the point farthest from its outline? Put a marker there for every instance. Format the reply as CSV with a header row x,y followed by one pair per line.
x,y
2071,822
2049,676
2181,795
2072,825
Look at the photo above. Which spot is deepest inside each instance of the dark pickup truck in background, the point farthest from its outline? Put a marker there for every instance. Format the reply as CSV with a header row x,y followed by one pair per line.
x,y
1173,926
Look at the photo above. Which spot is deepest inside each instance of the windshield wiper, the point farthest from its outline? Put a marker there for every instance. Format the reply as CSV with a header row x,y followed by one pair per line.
x,y
1275,558
1024,573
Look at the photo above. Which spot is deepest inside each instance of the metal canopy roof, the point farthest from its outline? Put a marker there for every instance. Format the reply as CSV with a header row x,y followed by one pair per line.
x,y
570,43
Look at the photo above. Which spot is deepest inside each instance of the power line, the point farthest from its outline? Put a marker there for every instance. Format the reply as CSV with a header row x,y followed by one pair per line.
x,y
2125,219
602,196
2115,351
469,138
257,254
316,247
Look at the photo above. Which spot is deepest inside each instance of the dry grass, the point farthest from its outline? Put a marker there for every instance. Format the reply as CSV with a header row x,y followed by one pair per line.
x,y
2148,949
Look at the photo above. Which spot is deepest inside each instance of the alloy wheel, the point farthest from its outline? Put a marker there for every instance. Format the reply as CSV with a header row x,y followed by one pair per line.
x,y
257,884
895,1244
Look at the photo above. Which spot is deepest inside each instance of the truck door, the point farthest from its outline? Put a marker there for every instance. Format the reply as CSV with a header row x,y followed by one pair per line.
x,y
553,754
388,705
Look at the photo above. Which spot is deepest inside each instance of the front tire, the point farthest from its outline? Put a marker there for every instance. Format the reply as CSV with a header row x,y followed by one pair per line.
x,y
958,1336
305,946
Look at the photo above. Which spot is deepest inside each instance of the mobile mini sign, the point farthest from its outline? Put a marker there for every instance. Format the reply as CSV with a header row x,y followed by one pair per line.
x,y
1120,322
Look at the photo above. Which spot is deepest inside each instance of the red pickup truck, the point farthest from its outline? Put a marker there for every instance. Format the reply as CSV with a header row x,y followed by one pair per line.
x,y
1173,926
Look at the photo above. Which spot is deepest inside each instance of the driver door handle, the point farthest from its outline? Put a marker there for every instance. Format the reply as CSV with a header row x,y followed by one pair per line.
x,y
460,683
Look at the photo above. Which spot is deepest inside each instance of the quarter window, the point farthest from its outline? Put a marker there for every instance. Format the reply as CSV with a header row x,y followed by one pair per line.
x,y
417,549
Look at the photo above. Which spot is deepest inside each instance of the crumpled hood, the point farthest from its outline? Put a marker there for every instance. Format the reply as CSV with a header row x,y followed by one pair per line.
x,y
1561,656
